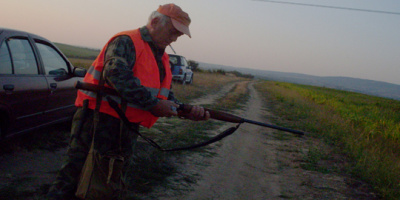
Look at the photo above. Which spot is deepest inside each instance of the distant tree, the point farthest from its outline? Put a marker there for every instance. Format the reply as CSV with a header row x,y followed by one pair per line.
x,y
238,74
218,71
193,64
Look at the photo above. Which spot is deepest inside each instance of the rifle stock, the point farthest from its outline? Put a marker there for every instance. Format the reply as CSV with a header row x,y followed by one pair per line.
x,y
214,114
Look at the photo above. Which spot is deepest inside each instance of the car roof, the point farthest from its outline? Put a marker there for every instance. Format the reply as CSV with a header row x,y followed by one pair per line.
x,y
175,55
5,32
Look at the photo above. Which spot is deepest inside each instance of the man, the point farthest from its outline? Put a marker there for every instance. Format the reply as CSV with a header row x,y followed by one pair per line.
x,y
135,64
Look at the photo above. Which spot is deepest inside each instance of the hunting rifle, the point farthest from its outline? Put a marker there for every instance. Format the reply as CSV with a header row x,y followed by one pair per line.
x,y
214,114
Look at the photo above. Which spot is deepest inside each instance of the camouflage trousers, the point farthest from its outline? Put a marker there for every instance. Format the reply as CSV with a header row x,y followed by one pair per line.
x,y
111,137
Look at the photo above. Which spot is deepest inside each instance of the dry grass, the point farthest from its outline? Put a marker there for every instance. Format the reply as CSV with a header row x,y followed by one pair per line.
x,y
80,62
235,99
203,83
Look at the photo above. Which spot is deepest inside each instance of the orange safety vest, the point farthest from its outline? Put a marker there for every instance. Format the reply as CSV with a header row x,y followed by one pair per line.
x,y
145,69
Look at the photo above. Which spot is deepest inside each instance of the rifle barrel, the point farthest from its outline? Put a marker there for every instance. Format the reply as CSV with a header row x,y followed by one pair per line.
x,y
218,115
274,127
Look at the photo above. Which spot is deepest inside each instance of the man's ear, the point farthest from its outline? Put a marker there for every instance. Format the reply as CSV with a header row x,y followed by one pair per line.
x,y
154,22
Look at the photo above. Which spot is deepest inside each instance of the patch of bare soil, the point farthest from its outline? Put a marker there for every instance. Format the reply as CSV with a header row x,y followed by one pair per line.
x,y
260,163
29,163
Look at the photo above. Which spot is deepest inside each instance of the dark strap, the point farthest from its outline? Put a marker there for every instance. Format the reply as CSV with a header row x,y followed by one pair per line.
x,y
79,128
216,138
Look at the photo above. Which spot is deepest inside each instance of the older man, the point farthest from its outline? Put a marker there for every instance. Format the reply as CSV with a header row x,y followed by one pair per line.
x,y
135,64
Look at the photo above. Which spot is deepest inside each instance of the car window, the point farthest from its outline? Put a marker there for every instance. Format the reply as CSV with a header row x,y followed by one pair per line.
x,y
173,60
5,60
183,61
22,56
53,63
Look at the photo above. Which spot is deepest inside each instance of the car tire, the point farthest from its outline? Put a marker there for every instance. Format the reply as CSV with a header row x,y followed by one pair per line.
x,y
2,128
184,80
191,80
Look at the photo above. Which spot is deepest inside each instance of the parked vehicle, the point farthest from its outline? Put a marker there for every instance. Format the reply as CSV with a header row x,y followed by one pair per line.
x,y
181,71
36,83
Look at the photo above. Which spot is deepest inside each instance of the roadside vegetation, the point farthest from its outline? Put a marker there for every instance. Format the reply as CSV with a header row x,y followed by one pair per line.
x,y
234,99
364,128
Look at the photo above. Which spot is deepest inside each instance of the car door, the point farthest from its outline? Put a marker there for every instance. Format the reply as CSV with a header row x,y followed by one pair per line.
x,y
57,69
23,89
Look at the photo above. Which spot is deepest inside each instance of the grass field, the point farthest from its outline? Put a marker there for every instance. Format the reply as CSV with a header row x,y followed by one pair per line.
x,y
365,128
79,56
78,52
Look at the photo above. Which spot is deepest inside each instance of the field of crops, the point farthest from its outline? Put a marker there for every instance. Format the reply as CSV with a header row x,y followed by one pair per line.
x,y
365,128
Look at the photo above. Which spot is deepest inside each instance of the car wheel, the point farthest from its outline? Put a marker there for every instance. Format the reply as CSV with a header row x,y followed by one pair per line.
x,y
184,80
191,80
2,128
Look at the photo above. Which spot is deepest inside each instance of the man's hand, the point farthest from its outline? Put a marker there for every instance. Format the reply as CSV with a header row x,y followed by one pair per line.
x,y
197,113
164,108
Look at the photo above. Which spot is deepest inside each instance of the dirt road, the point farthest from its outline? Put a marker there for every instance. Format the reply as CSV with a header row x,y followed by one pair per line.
x,y
245,167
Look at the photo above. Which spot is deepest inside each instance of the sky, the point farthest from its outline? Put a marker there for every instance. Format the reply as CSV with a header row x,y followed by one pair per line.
x,y
265,35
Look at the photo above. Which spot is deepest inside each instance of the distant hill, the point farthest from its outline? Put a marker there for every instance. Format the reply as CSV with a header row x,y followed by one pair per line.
x,y
370,87
78,52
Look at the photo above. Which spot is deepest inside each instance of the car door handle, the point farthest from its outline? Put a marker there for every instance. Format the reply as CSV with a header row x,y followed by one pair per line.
x,y
53,85
8,87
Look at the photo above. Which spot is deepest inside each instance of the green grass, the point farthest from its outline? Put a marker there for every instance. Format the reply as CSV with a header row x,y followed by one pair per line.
x,y
365,128
313,158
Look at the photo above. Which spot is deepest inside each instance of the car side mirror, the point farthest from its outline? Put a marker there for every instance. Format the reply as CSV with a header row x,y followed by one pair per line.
x,y
79,72
58,72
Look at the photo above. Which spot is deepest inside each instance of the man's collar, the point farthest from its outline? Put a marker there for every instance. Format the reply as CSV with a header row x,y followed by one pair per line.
x,y
144,32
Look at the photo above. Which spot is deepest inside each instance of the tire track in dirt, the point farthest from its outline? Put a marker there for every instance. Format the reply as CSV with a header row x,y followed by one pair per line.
x,y
245,167
209,99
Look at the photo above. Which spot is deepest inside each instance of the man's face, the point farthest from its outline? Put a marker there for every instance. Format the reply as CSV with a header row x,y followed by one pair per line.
x,y
165,35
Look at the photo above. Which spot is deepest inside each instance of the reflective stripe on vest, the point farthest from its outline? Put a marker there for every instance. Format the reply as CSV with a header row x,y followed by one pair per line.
x,y
145,68
154,91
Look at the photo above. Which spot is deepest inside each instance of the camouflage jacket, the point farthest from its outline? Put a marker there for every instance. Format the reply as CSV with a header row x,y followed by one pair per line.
x,y
118,71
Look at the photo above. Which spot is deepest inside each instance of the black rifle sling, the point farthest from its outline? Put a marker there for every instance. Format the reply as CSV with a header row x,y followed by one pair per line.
x,y
125,120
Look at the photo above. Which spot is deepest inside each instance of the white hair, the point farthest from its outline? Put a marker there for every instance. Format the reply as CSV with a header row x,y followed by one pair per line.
x,y
163,18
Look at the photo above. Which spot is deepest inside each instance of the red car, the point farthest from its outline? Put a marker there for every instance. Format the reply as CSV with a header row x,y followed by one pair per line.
x,y
36,83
